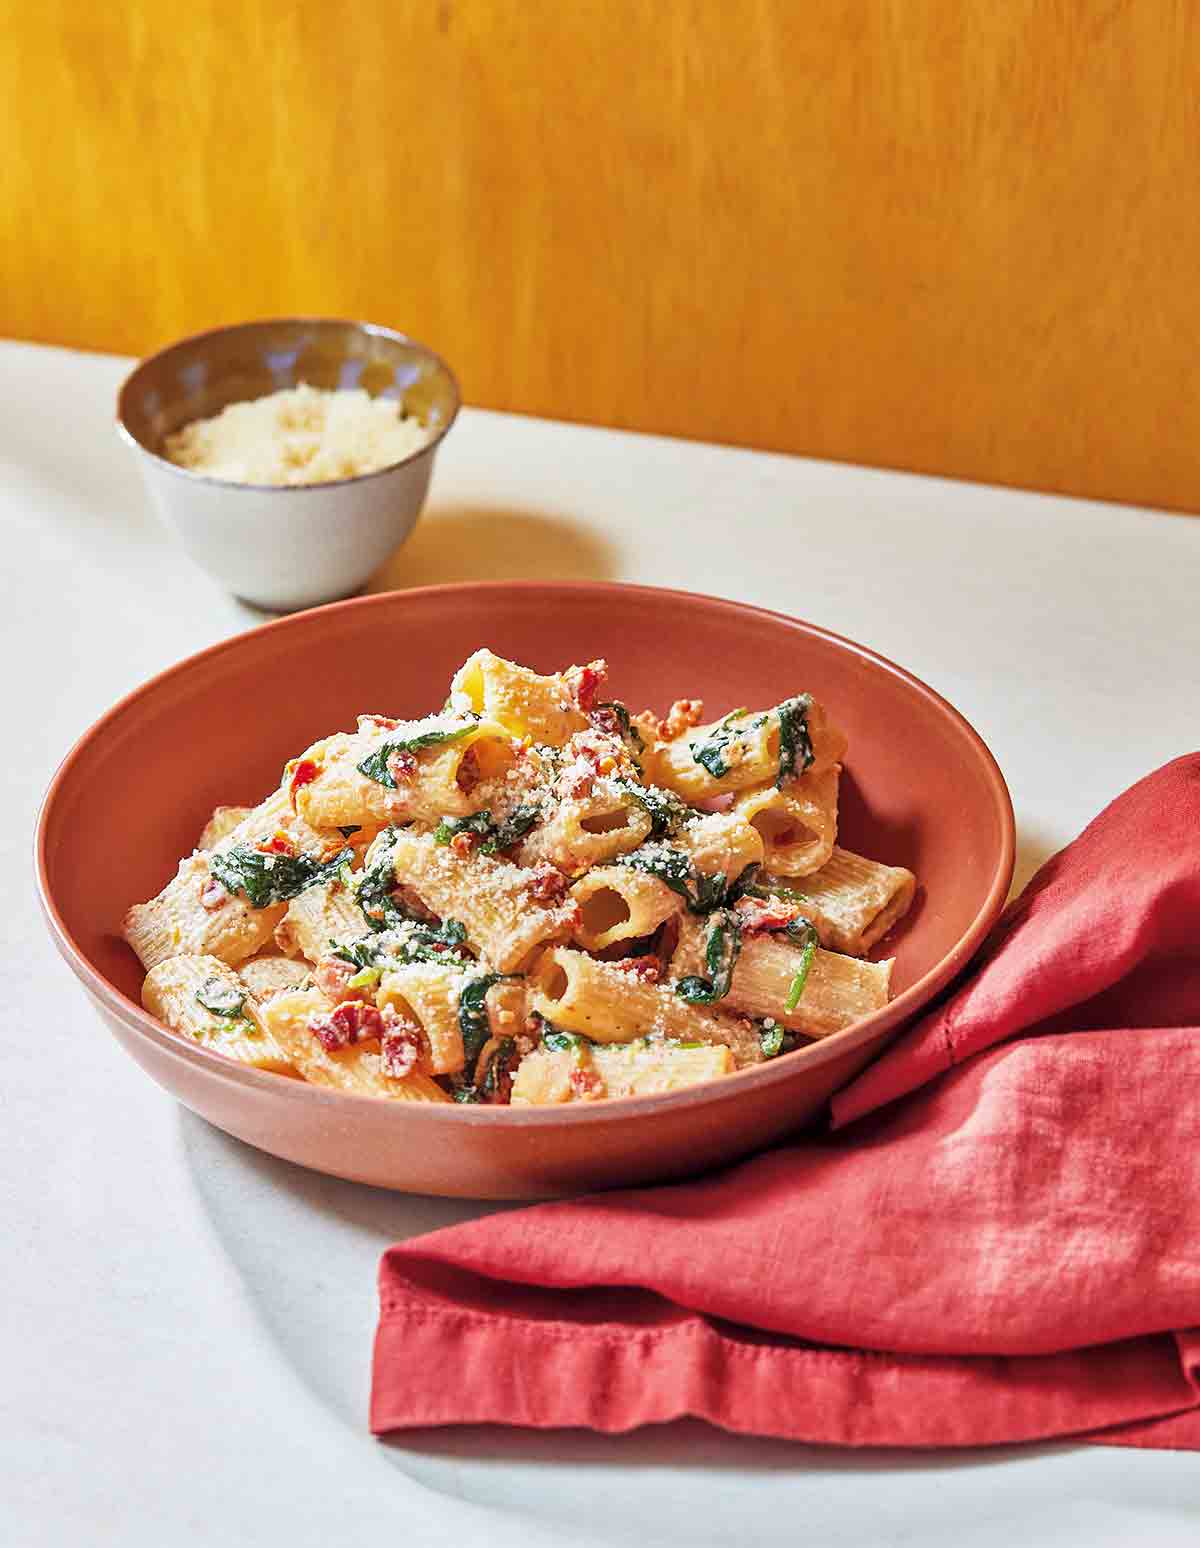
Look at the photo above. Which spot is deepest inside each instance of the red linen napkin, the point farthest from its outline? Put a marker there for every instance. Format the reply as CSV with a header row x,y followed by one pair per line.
x,y
1011,1252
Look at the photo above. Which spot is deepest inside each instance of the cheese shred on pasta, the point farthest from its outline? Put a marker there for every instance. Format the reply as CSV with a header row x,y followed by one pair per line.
x,y
530,897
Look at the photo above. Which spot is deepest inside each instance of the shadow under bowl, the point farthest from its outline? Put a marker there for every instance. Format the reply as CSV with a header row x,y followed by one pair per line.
x,y
294,545
921,790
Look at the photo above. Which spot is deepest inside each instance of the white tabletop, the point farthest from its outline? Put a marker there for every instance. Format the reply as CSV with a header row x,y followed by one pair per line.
x,y
188,1322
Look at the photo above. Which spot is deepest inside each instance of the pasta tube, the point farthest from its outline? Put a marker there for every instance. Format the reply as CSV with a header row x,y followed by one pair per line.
x,y
357,1069
724,843
582,833
176,922
837,990
589,1073
394,771
506,909
325,913
201,998
224,820
523,702
428,996
269,974
193,914
852,902
618,904
276,815
608,1003
747,748
797,822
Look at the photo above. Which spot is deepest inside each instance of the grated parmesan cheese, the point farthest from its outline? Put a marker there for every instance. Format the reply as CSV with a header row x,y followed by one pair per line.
x,y
303,435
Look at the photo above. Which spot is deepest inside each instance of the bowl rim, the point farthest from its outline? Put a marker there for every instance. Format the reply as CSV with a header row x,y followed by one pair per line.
x,y
380,330
135,1018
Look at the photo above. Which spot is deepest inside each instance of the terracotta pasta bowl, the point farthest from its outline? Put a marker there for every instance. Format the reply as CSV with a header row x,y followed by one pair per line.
x,y
920,790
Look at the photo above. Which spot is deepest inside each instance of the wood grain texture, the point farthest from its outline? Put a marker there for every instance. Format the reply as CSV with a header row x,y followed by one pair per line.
x,y
958,238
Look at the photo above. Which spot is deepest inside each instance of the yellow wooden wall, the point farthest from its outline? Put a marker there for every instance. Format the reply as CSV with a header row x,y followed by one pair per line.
x,y
954,235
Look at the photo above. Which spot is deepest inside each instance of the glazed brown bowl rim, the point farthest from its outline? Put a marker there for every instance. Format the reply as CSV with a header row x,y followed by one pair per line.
x,y
125,391
916,996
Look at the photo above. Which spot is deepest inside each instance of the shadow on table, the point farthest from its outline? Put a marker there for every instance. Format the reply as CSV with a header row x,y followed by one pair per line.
x,y
464,543
306,1248
1034,848
692,1444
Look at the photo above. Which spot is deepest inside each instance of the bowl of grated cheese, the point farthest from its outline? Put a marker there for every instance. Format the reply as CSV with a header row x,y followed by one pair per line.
x,y
291,456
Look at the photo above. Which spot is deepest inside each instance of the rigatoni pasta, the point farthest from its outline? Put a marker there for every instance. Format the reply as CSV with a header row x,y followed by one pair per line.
x,y
852,902
530,897
619,904
201,998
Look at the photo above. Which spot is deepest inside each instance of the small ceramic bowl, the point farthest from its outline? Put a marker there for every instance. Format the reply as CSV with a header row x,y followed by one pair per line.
x,y
920,789
286,546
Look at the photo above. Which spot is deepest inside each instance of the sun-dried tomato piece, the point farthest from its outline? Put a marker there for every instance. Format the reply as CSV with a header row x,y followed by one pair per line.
x,y
400,1047
586,682
576,787
469,774
547,884
402,766
758,915
277,844
648,968
351,1022
304,771
606,720
586,1083
681,717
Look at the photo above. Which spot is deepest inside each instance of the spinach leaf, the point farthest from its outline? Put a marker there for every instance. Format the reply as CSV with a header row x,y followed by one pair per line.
x,y
408,943
775,1039
710,892
722,947
667,811
491,1086
750,887
628,732
479,823
452,931
463,1093
794,740
376,885
494,835
671,866
350,829
799,930
221,998
268,878
802,932
472,1013
563,1042
514,828
712,753
364,953
375,764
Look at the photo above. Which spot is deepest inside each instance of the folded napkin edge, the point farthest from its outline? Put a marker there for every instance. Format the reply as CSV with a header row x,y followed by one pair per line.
x,y
437,1366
